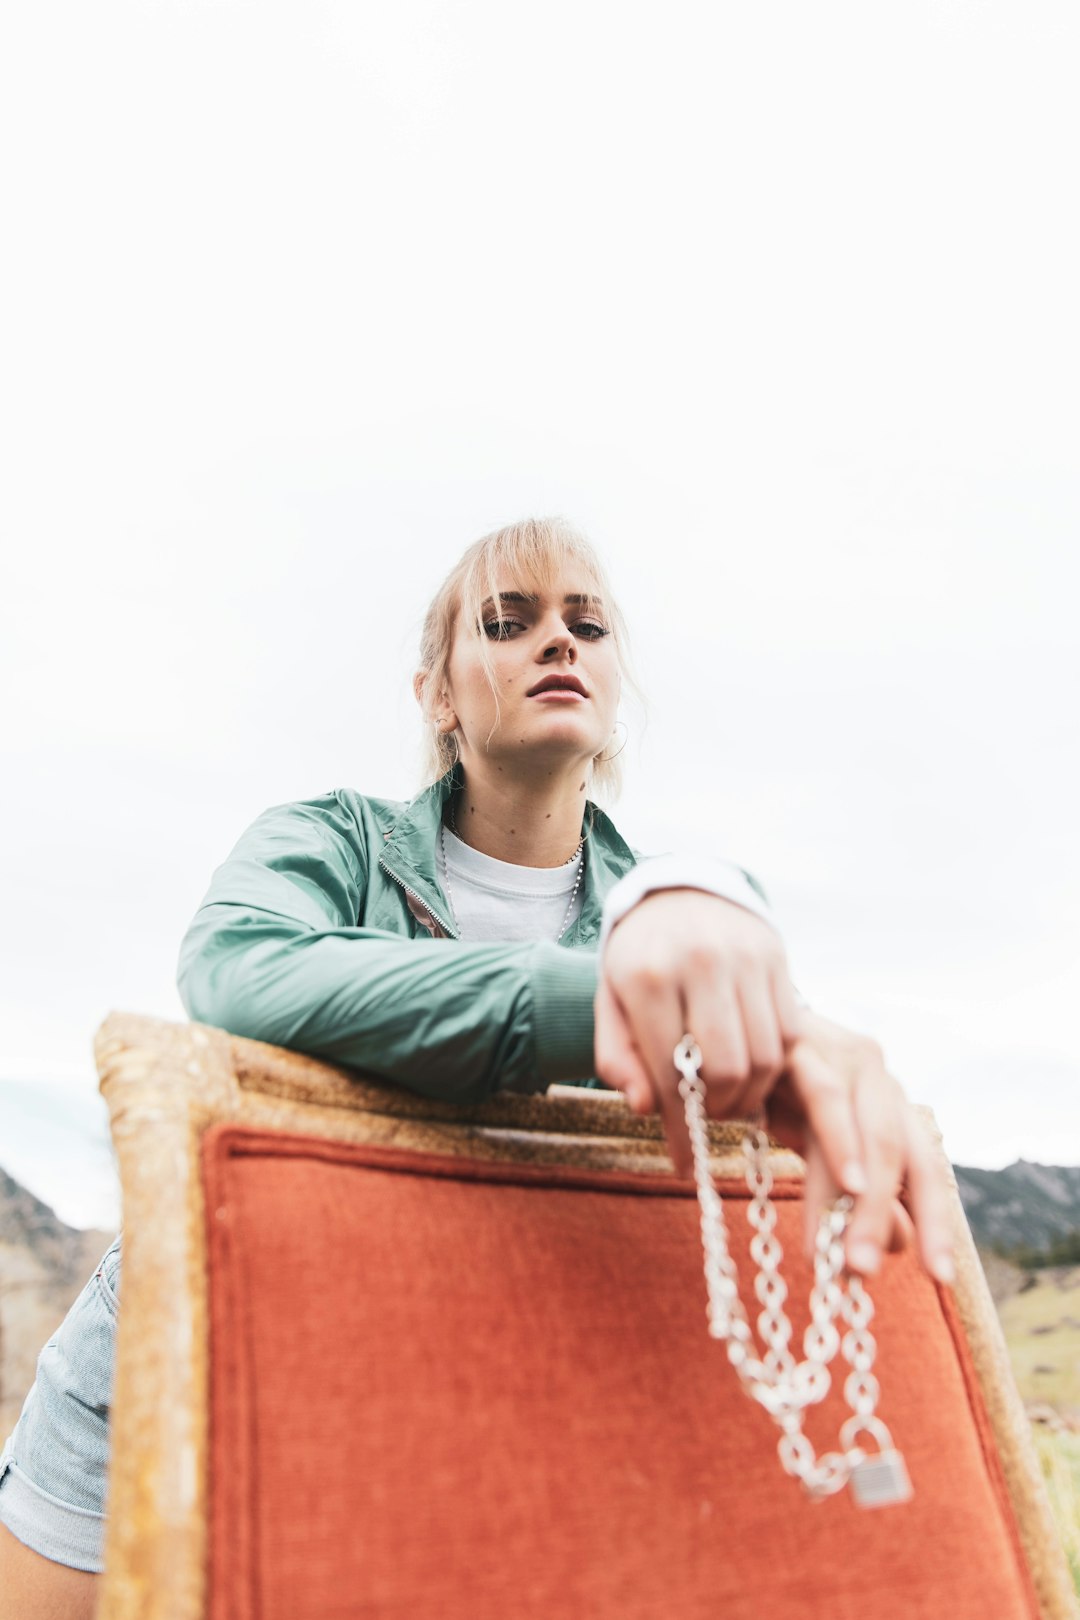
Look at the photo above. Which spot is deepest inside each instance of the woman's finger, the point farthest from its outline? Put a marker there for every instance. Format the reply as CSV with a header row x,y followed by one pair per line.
x,y
753,991
656,1021
715,1013
879,1113
616,1059
930,1200
735,1024
826,1099
791,1016
818,1190
714,1018
764,1046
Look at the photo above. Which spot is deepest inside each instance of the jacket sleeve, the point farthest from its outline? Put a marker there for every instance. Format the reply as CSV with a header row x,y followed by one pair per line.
x,y
273,953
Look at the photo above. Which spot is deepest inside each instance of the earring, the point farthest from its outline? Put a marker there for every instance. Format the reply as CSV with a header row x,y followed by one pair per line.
x,y
600,760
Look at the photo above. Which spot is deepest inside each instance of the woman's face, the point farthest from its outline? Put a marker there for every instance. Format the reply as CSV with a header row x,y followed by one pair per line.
x,y
556,672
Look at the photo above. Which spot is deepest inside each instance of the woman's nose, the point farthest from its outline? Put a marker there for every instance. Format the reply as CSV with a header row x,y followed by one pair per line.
x,y
560,642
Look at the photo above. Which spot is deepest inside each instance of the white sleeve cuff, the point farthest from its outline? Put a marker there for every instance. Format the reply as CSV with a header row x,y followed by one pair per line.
x,y
722,878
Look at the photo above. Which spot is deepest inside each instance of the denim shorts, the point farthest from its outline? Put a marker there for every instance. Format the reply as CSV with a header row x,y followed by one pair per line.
x,y
54,1465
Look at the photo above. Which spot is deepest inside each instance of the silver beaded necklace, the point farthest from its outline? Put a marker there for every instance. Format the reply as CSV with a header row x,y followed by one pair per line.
x,y
578,856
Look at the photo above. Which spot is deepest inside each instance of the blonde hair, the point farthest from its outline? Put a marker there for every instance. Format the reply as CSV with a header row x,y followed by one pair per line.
x,y
533,555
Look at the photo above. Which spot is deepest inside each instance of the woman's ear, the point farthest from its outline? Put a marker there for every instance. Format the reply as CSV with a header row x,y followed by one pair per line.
x,y
445,718
442,710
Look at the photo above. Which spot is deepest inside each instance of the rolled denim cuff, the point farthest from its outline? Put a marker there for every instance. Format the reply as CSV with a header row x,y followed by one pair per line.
x,y
55,1529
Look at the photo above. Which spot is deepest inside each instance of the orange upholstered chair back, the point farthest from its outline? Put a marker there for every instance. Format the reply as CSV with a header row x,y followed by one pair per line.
x,y
458,1365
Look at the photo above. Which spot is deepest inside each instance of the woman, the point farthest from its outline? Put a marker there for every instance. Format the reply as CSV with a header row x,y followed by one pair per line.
x,y
496,932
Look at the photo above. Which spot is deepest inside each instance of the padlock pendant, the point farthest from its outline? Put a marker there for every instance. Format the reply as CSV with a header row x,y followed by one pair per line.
x,y
881,1480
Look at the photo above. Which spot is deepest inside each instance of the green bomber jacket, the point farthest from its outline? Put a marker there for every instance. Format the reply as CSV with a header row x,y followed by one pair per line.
x,y
326,930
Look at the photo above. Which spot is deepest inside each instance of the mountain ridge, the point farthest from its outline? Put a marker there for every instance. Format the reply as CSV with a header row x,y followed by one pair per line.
x,y
1027,1203
44,1265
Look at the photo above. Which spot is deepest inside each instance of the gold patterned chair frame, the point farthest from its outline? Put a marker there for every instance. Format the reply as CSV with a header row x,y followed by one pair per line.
x,y
167,1084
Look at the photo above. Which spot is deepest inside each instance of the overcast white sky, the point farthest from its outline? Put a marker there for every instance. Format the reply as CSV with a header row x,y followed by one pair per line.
x,y
778,302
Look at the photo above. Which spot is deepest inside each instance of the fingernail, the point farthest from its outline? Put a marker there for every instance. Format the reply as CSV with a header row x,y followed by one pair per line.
x,y
854,1177
864,1256
944,1270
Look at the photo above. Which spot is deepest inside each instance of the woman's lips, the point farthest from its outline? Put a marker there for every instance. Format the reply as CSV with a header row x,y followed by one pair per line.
x,y
565,694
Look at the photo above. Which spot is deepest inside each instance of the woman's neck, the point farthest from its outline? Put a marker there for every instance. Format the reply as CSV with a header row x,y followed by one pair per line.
x,y
530,823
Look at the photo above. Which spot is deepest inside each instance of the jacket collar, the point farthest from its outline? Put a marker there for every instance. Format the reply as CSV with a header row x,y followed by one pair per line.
x,y
409,855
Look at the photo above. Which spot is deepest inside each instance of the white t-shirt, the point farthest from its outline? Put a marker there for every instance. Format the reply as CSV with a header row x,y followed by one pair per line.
x,y
496,900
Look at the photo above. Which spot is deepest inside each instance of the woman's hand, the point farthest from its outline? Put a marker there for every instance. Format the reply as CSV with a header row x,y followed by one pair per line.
x,y
683,960
837,1105
686,960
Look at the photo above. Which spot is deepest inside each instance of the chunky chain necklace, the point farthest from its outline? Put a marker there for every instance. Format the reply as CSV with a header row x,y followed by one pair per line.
x,y
783,1386
450,892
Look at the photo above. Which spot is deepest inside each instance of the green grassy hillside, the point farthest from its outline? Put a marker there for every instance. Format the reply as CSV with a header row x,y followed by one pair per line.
x,y
1059,1455
1042,1330
1040,1316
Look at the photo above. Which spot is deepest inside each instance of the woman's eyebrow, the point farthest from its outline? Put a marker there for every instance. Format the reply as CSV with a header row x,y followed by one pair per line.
x,y
513,598
519,599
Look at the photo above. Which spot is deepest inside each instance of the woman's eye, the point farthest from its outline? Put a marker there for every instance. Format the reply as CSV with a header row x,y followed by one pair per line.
x,y
499,629
590,630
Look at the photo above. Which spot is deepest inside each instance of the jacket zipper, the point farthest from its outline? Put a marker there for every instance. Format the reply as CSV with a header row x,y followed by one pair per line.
x,y
420,900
